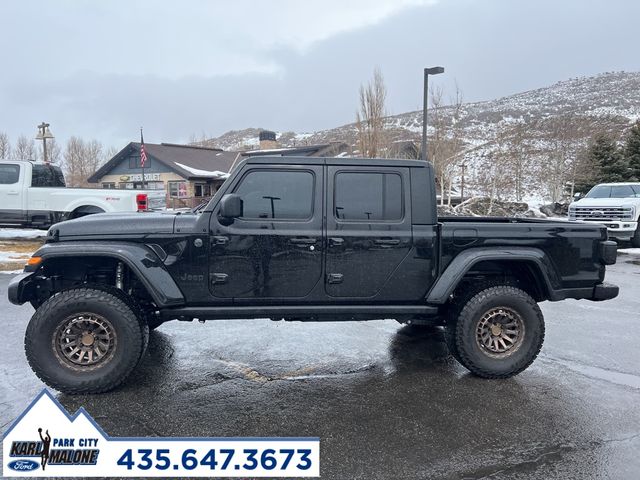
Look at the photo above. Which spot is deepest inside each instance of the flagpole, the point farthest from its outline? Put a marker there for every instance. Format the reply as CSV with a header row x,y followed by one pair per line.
x,y
142,162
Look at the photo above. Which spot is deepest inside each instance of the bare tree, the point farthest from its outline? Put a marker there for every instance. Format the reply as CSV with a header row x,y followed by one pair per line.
x,y
436,144
94,157
516,166
110,153
5,146
370,117
25,149
563,142
81,160
445,140
54,151
450,165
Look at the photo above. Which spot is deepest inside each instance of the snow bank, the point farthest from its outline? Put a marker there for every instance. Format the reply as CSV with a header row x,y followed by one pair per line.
x,y
21,233
10,272
629,251
9,256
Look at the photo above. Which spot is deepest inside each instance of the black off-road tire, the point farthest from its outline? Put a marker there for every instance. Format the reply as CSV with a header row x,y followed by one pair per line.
x,y
46,359
464,293
465,344
135,307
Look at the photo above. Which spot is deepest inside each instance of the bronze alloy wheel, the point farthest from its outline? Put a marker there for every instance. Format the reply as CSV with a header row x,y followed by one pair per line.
x,y
499,332
84,341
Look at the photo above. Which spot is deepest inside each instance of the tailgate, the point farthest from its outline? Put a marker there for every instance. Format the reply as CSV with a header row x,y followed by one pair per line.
x,y
156,200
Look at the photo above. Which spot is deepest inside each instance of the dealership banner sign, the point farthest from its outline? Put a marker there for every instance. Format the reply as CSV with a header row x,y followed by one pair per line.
x,y
46,441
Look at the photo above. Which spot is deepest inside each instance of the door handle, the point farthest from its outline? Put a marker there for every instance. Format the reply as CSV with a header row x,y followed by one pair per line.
x,y
336,241
387,242
334,278
303,241
220,240
219,278
12,192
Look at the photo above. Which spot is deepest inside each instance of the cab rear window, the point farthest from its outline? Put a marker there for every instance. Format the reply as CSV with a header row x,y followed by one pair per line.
x,y
47,176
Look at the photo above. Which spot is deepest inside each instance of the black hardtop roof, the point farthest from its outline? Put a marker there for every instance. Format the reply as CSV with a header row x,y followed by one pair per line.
x,y
360,162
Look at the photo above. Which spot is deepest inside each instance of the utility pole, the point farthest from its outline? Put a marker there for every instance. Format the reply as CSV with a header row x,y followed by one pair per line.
x,y
464,166
425,100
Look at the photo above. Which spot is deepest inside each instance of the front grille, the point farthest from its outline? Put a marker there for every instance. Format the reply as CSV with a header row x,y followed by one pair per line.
x,y
598,214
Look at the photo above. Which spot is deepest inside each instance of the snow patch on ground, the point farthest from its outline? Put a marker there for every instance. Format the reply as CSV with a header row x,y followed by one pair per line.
x,y
629,251
20,233
9,256
10,272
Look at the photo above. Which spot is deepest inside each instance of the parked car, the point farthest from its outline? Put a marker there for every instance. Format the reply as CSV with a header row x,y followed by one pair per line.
x,y
308,239
615,205
34,194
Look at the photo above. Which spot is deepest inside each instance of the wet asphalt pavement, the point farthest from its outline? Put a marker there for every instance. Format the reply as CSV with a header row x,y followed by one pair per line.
x,y
387,401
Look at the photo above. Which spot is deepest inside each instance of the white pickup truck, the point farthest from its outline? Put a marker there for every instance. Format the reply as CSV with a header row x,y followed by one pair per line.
x,y
34,194
615,205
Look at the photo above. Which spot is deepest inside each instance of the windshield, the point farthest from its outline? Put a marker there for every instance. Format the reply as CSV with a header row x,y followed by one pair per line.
x,y
614,191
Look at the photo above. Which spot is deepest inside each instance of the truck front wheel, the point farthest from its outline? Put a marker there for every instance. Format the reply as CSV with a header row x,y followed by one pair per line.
x,y
84,340
635,240
498,332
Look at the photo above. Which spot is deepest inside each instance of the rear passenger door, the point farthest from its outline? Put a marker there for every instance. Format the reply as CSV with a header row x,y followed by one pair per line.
x,y
368,229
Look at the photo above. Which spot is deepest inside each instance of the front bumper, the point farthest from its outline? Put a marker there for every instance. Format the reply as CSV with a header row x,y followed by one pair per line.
x,y
622,229
18,286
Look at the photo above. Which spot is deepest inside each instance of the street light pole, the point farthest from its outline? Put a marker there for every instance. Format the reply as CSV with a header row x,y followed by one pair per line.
x,y
273,205
43,134
425,99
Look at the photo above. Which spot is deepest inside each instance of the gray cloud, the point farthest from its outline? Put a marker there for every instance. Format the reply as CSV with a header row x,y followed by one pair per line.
x,y
491,48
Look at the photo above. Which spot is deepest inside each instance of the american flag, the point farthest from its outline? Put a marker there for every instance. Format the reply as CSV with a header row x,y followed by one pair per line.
x,y
143,152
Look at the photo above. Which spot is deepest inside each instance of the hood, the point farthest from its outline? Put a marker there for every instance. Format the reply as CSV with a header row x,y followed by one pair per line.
x,y
104,225
606,202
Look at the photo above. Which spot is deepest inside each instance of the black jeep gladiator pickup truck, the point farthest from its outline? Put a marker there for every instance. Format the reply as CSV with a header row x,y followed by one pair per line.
x,y
303,239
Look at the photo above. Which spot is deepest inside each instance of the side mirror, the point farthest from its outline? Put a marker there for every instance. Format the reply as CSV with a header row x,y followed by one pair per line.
x,y
577,196
231,206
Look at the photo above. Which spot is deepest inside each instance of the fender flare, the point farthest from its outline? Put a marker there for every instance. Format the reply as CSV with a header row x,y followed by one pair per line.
x,y
464,262
88,202
146,265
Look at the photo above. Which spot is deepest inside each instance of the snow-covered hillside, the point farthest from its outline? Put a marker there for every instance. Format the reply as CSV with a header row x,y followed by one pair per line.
x,y
613,95
607,102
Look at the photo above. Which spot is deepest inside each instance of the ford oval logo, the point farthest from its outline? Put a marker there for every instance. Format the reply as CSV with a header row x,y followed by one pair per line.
x,y
23,465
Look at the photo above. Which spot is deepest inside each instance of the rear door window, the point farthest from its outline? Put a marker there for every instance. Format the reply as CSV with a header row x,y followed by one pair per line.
x,y
9,174
368,196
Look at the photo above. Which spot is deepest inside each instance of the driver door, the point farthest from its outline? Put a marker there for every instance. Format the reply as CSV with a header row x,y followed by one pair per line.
x,y
275,249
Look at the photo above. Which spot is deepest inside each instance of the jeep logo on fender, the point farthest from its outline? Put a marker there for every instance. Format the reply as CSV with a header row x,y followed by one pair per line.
x,y
23,465
189,277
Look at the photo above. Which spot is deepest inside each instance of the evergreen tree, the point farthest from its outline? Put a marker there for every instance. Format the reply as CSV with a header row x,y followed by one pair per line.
x,y
611,162
632,151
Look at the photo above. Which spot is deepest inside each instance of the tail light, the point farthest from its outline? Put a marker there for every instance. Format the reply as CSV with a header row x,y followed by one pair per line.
x,y
141,202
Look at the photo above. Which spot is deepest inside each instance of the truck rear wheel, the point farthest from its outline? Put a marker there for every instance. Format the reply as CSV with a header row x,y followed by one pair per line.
x,y
84,340
498,332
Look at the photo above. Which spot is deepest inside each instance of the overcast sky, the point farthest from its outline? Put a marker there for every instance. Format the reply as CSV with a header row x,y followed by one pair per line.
x,y
103,69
